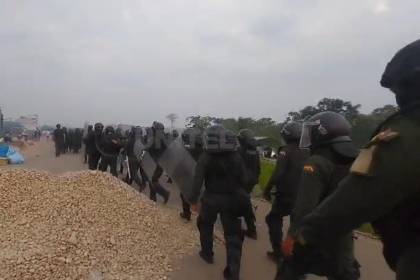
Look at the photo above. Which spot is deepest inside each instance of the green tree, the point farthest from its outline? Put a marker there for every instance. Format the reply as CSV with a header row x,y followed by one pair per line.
x,y
346,108
364,125
199,121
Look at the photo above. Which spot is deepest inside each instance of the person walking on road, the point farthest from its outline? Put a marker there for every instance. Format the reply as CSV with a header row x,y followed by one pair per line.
x,y
383,186
58,140
327,135
222,171
251,157
285,179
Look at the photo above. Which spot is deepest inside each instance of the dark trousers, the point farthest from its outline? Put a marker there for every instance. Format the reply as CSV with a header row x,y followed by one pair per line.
x,y
212,206
249,218
85,155
408,266
58,149
93,160
274,221
134,166
110,161
156,187
186,207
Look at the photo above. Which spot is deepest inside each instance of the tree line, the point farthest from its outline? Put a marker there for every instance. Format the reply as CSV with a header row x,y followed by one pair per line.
x,y
363,124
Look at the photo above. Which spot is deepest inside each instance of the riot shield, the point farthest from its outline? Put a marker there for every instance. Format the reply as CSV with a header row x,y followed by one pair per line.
x,y
175,160
147,162
180,166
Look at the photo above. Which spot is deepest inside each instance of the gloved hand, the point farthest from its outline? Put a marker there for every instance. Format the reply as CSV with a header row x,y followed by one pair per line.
x,y
288,246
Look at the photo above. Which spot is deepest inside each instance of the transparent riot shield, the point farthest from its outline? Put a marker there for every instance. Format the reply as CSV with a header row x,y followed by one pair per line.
x,y
175,160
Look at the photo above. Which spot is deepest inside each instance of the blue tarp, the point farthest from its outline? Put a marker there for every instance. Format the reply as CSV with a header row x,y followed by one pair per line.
x,y
4,149
13,156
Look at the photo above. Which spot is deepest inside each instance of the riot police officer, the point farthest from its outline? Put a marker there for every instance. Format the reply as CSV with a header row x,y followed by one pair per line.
x,y
66,140
136,134
92,145
192,138
285,179
222,171
251,157
156,142
327,134
110,146
58,140
77,140
383,185
88,133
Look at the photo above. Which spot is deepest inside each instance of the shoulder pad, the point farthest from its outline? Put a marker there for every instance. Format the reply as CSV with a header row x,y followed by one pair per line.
x,y
363,165
384,136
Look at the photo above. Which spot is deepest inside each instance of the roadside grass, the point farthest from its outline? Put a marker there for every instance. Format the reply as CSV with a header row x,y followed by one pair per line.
x,y
267,168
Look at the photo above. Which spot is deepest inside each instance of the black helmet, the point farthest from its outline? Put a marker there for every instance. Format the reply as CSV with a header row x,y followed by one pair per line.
x,y
402,74
404,66
99,127
192,136
175,134
58,126
90,128
136,131
324,128
109,130
292,131
217,139
328,128
246,138
157,126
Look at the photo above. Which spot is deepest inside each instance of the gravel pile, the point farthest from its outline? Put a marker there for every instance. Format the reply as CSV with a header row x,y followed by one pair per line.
x,y
84,225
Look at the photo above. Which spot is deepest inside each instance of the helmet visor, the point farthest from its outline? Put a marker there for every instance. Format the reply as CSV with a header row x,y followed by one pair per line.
x,y
307,129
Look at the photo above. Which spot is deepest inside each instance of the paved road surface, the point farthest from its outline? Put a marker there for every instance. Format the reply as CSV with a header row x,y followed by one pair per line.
x,y
254,264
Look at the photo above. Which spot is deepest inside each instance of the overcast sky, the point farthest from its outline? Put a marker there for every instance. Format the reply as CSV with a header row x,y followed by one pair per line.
x,y
135,61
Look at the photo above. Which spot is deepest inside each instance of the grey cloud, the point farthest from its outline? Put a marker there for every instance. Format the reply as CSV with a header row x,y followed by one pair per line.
x,y
135,61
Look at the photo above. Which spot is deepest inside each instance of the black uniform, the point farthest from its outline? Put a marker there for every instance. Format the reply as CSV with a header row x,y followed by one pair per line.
x,y
66,141
321,174
224,178
59,141
135,165
285,179
195,152
70,140
156,141
383,187
92,144
88,132
251,159
110,147
77,140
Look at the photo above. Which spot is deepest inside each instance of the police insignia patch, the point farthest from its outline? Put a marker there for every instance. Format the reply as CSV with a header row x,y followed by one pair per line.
x,y
308,169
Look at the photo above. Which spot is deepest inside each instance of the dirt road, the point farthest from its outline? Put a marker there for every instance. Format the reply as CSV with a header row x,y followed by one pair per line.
x,y
255,265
